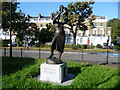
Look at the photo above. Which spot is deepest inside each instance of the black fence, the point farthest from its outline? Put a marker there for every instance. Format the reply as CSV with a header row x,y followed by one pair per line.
x,y
81,55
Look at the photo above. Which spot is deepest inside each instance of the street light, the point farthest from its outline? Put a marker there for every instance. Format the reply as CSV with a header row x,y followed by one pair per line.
x,y
12,1
11,29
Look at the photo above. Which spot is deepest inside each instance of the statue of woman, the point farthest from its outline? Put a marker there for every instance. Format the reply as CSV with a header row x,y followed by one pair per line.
x,y
58,41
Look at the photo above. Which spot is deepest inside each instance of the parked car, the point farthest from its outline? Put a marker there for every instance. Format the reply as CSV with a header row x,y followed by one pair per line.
x,y
13,44
106,47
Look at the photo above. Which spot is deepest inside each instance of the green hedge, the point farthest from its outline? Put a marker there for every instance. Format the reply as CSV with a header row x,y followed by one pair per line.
x,y
74,47
77,47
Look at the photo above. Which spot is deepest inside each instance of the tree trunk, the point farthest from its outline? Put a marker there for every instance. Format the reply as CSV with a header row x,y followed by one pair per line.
x,y
74,39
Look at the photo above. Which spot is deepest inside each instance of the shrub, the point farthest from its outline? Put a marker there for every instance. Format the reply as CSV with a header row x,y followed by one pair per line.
x,y
117,47
68,45
88,46
75,47
98,46
5,43
104,43
47,45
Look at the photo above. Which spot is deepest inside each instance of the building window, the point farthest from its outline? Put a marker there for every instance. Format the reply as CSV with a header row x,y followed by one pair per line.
x,y
81,40
95,32
95,24
68,40
41,25
102,31
35,19
47,18
101,24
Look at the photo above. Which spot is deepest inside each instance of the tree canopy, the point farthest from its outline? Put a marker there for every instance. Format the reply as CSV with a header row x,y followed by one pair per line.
x,y
16,16
78,13
46,34
115,29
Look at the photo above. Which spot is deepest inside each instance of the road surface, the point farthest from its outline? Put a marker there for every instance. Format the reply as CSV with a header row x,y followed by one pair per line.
x,y
74,56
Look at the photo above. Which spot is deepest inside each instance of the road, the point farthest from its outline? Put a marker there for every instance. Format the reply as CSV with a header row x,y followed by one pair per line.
x,y
74,56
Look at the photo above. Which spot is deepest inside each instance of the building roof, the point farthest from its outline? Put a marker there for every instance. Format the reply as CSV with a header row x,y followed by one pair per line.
x,y
101,17
40,16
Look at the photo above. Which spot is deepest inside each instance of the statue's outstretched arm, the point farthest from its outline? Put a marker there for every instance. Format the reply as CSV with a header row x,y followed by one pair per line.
x,y
57,17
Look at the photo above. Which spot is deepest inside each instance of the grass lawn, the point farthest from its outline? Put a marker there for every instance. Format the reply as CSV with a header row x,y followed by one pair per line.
x,y
20,73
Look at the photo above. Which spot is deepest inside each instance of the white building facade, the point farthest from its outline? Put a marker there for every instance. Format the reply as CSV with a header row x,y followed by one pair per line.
x,y
98,35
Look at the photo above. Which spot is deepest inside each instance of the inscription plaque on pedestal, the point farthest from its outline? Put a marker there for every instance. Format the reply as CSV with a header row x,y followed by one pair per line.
x,y
53,72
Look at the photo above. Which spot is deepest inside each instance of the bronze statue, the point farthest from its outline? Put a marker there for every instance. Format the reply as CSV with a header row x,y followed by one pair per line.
x,y
58,41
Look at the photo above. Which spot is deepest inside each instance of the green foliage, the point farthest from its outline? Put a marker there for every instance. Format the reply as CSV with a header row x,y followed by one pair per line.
x,y
117,47
76,47
78,12
0,43
12,65
45,36
87,76
5,43
98,46
6,13
68,46
17,18
115,30
104,43
92,77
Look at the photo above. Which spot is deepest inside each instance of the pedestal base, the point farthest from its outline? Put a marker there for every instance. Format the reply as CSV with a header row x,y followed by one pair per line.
x,y
53,60
53,72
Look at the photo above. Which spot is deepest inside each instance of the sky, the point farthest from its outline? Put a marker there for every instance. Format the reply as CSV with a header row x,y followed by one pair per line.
x,y
109,9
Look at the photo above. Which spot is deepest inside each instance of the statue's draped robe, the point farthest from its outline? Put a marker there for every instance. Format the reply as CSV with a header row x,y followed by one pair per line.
x,y
58,41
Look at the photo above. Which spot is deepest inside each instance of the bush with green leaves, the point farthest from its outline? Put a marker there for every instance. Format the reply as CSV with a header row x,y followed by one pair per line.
x,y
117,46
98,46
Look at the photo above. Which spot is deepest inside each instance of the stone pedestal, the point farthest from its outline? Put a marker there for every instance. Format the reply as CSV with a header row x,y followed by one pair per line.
x,y
53,72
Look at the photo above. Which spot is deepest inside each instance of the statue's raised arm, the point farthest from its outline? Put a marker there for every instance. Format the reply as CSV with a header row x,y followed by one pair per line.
x,y
63,12
58,41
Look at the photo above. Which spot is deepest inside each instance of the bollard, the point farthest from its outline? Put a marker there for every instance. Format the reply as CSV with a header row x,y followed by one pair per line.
x,y
39,52
21,52
82,54
107,57
4,51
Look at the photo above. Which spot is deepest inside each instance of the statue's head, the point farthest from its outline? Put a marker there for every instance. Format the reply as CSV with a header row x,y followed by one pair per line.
x,y
61,8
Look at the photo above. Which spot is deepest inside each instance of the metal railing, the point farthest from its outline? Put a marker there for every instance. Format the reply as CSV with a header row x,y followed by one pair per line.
x,y
81,55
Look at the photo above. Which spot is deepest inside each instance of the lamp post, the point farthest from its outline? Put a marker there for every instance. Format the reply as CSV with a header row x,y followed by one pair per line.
x,y
107,50
11,29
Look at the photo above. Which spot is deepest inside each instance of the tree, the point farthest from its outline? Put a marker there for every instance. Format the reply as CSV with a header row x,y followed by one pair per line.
x,y
78,13
20,23
17,18
115,30
46,34
31,33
